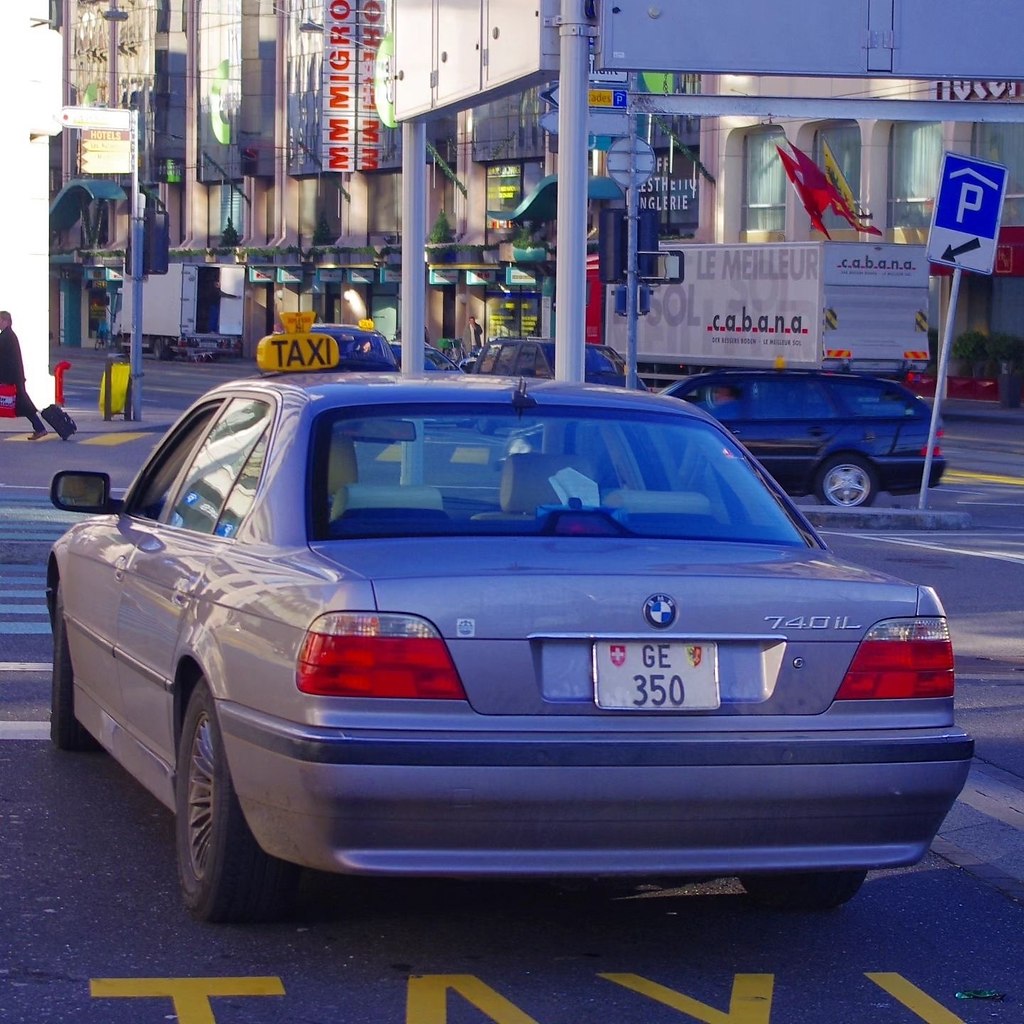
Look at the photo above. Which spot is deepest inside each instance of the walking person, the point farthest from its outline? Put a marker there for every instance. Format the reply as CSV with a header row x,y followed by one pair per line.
x,y
12,371
472,337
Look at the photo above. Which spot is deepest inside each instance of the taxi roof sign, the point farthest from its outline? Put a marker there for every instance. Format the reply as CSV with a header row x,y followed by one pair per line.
x,y
297,351
298,323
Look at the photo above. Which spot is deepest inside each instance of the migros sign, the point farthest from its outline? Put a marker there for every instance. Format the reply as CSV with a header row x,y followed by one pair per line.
x,y
351,126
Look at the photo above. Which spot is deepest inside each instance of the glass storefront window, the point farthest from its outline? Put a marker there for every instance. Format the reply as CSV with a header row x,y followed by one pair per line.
x,y
915,153
513,313
842,141
764,181
1004,144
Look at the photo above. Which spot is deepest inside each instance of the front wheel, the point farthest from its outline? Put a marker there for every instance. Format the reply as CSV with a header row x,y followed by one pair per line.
x,y
847,481
807,890
66,732
225,876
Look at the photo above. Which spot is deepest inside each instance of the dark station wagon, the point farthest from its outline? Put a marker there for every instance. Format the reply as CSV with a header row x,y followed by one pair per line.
x,y
842,437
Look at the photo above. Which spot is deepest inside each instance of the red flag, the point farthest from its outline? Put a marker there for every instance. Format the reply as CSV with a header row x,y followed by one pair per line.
x,y
817,193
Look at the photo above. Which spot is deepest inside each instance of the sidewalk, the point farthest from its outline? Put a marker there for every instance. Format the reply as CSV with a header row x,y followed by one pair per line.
x,y
82,388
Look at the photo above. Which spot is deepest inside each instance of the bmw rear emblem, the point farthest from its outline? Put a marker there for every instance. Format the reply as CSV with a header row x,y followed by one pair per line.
x,y
660,611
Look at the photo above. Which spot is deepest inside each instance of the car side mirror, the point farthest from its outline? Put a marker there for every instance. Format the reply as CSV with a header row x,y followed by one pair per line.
x,y
76,490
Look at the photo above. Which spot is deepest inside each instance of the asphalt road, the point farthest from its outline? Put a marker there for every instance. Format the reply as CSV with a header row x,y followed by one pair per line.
x,y
94,930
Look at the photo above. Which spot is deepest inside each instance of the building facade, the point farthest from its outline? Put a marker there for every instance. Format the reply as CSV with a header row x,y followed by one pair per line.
x,y
265,134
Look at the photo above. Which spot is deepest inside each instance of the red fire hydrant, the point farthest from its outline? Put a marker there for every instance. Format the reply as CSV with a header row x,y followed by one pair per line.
x,y
58,373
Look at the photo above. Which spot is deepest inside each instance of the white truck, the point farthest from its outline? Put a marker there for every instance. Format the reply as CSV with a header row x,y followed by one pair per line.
x,y
835,305
194,312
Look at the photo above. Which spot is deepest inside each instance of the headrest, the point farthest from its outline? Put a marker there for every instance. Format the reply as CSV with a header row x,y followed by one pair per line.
x,y
526,480
341,464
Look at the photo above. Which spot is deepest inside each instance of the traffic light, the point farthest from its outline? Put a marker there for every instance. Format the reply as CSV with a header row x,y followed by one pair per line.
x,y
647,244
156,241
611,245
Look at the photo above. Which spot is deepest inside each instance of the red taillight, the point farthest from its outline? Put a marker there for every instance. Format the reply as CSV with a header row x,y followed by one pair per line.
x,y
360,654
937,450
901,658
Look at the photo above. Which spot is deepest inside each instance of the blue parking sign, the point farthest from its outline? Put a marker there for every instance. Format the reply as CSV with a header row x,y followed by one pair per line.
x,y
968,211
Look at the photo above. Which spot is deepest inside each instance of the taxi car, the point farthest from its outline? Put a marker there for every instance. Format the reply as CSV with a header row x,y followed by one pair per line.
x,y
467,626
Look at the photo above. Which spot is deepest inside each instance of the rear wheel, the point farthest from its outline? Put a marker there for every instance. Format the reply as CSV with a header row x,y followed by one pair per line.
x,y
808,890
66,732
225,876
847,481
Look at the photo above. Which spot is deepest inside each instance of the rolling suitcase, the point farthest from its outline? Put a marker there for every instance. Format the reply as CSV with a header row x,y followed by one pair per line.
x,y
59,420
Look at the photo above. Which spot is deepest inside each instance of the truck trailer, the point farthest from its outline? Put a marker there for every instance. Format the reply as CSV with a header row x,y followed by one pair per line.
x,y
852,306
192,312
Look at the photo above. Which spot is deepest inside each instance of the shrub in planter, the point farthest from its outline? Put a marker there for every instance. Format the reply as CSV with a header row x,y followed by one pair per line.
x,y
1006,349
971,349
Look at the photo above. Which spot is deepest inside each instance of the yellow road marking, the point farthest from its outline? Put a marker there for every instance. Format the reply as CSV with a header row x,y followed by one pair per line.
x,y
987,478
750,1002
913,998
191,996
120,437
427,999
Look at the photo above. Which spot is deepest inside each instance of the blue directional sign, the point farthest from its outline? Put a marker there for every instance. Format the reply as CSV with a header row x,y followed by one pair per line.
x,y
968,211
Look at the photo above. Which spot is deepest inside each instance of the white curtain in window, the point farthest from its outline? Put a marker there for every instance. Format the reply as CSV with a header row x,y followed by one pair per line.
x,y
1004,144
915,156
843,138
764,202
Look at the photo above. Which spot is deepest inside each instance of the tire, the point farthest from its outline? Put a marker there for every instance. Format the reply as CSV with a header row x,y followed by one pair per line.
x,y
809,890
164,352
847,481
224,875
66,732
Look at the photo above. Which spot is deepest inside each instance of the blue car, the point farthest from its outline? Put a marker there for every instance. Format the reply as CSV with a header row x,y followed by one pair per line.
x,y
535,357
842,437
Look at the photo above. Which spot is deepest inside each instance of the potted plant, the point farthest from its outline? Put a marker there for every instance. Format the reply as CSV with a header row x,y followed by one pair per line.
x,y
970,348
526,249
229,238
323,236
440,246
1007,353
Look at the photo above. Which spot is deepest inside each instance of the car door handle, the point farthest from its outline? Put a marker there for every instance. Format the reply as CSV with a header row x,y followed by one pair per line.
x,y
120,564
182,591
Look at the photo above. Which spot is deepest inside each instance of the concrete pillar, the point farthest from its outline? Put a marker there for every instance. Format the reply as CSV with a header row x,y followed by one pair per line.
x,y
31,71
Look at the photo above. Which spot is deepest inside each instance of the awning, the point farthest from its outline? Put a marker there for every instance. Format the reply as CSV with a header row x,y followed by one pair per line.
x,y
76,195
542,203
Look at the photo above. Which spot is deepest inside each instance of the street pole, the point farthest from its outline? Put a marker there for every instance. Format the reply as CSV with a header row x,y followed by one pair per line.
x,y
632,231
137,242
414,235
940,379
571,269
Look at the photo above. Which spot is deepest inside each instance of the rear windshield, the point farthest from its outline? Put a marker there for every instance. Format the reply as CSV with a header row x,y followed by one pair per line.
x,y
356,346
489,470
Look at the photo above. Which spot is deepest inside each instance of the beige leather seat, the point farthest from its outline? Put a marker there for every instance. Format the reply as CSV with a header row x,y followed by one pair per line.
x,y
526,483
342,468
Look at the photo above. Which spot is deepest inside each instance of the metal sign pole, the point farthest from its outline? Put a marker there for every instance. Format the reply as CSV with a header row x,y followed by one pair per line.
x,y
571,268
137,242
632,225
940,378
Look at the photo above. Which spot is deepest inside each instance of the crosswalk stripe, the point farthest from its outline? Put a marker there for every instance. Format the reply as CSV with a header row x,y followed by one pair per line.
x,y
24,730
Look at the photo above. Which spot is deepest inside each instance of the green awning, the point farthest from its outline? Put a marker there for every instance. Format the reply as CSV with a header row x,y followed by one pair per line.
x,y
542,203
76,195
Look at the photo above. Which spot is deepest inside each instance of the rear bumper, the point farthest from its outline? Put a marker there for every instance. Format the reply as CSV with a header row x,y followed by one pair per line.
x,y
904,476
519,806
